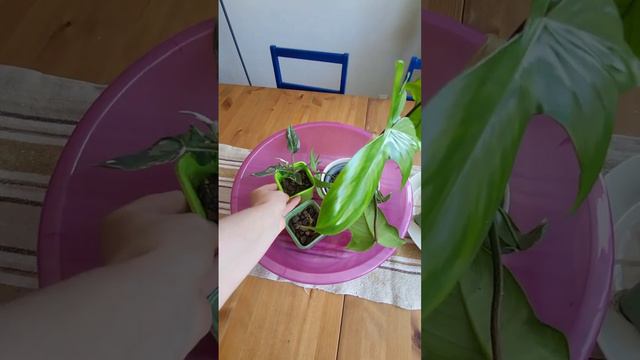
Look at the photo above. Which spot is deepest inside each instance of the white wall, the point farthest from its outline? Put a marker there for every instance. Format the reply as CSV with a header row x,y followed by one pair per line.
x,y
374,32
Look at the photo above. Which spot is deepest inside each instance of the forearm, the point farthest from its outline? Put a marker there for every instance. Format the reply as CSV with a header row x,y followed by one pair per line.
x,y
244,239
118,312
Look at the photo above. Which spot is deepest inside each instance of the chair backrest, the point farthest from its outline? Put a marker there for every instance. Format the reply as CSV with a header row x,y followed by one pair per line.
x,y
321,56
414,64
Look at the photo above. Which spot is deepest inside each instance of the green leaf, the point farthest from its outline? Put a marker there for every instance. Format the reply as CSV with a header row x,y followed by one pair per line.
x,y
370,227
293,141
206,158
355,186
401,145
164,151
268,171
313,161
398,94
571,64
361,237
322,184
630,11
353,189
415,89
386,235
380,198
415,115
511,237
459,328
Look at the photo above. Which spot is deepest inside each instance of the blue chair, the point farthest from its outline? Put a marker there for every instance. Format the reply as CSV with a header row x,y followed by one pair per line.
x,y
334,58
414,64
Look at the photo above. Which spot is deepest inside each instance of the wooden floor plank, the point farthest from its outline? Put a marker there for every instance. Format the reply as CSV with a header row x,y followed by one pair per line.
x,y
628,116
498,17
272,320
367,326
451,8
91,40
249,115
9,293
377,113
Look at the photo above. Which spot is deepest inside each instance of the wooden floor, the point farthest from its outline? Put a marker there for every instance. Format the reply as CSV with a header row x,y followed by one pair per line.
x,y
91,40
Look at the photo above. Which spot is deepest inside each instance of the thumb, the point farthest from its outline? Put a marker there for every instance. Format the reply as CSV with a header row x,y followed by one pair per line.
x,y
172,202
291,205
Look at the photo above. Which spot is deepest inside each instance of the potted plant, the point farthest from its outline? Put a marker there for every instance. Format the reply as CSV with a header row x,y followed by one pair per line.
x,y
196,155
300,224
352,202
330,174
295,178
570,61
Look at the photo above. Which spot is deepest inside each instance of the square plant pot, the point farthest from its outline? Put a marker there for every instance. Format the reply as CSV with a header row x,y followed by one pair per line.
x,y
304,194
300,208
190,175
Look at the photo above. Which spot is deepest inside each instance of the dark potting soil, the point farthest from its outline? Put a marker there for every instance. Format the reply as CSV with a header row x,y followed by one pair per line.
x,y
291,187
306,217
208,195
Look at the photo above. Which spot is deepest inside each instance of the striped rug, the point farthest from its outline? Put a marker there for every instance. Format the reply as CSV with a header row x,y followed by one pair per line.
x,y
37,115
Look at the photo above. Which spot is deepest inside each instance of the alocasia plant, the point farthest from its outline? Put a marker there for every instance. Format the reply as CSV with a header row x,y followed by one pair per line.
x,y
571,62
351,203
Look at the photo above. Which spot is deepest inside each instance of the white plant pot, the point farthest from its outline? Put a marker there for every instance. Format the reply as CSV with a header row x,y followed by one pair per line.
x,y
322,192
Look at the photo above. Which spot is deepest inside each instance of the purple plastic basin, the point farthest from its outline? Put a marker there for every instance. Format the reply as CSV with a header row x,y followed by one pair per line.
x,y
328,262
567,274
138,108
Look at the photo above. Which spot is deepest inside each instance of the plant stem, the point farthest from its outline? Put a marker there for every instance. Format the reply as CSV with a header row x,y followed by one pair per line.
x,y
496,301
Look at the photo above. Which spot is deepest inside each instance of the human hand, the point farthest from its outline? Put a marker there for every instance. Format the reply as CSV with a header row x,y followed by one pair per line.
x,y
154,238
159,223
247,235
275,200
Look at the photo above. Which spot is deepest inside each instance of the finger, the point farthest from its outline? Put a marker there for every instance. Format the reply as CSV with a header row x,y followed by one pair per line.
x,y
268,187
291,204
172,202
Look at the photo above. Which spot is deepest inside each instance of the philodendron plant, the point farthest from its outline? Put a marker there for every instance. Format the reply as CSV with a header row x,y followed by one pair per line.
x,y
196,154
571,62
352,201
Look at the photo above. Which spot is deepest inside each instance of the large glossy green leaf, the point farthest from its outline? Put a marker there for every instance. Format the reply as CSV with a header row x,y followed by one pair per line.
x,y
353,189
570,62
355,186
459,328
